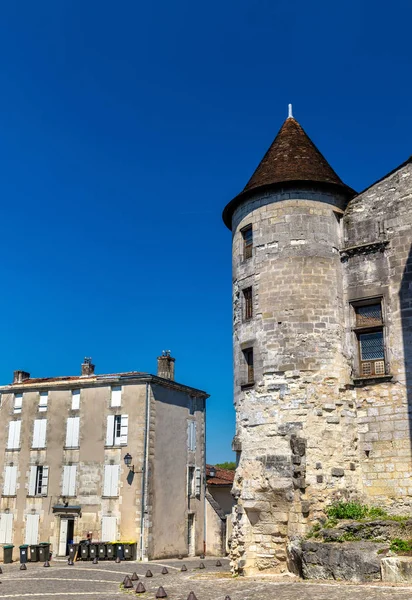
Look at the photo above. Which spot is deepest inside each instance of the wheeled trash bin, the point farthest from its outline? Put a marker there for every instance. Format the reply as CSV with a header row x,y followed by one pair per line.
x,y
92,551
84,551
23,553
33,553
110,551
120,551
44,551
128,551
8,554
73,550
101,549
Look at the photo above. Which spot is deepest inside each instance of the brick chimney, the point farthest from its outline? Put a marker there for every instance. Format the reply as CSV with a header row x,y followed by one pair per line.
x,y
19,376
166,366
87,367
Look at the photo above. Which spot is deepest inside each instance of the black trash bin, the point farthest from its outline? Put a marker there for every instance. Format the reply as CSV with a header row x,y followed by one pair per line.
x,y
128,551
120,551
84,551
110,551
33,553
44,551
23,553
73,550
8,554
101,549
93,551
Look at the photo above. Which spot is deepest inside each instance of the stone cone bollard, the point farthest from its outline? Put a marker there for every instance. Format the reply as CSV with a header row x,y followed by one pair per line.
x,y
23,567
70,562
227,598
218,563
140,588
46,564
127,583
184,568
161,593
201,566
1,571
191,596
180,557
149,573
165,571
134,577
117,560
95,561
202,557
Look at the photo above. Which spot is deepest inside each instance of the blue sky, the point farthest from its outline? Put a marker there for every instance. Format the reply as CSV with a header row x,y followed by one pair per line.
x,y
124,130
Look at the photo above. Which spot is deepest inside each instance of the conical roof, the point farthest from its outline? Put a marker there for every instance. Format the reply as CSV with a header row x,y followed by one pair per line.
x,y
292,157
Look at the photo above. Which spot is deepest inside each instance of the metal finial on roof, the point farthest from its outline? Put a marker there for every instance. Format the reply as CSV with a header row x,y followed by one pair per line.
x,y
290,115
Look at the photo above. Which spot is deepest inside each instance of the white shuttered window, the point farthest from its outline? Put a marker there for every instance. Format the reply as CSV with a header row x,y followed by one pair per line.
x,y
44,399
72,432
10,480
116,397
32,529
75,399
111,480
198,481
69,480
13,441
38,481
109,529
6,528
18,402
191,436
39,433
117,430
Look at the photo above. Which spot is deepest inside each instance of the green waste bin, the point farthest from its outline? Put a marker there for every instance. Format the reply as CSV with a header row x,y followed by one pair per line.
x,y
101,548
84,551
8,554
23,553
73,550
128,551
44,551
92,551
110,551
33,553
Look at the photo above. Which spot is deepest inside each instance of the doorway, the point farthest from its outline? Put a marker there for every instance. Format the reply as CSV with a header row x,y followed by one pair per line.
x,y
66,535
191,534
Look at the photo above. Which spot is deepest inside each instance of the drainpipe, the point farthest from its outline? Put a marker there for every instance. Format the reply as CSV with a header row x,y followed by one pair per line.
x,y
145,475
204,480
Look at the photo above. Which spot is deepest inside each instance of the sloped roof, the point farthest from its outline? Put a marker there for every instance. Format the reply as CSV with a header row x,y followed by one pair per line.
x,y
292,157
222,477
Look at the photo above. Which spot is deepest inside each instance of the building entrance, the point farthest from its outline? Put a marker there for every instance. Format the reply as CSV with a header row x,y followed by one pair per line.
x,y
66,535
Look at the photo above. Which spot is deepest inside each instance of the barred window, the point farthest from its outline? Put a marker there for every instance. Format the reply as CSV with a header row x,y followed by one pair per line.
x,y
248,304
370,338
248,354
247,234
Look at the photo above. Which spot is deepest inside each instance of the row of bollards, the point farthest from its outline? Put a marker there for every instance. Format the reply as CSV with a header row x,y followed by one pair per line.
x,y
24,568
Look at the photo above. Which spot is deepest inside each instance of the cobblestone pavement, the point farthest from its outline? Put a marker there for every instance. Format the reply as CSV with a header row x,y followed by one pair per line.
x,y
102,582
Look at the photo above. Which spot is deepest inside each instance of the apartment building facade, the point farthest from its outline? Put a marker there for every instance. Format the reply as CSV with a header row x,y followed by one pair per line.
x,y
118,456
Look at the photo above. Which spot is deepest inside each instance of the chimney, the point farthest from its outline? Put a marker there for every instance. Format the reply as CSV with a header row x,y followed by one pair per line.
x,y
19,376
87,367
166,366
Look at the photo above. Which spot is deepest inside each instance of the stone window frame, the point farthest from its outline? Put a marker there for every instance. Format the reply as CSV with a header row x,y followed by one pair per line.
x,y
247,302
248,367
247,244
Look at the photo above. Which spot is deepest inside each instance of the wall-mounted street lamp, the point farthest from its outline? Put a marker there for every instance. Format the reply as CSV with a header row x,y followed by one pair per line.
x,y
128,462
212,472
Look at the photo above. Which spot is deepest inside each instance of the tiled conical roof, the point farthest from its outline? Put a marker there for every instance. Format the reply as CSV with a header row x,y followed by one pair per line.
x,y
292,157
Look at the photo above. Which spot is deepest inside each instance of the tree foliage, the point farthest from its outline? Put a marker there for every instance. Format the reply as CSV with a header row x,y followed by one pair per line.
x,y
230,466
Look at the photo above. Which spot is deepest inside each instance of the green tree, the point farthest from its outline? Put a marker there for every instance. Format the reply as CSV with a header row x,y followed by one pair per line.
x,y
230,466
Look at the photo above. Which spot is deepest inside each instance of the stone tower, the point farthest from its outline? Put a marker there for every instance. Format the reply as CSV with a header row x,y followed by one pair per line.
x,y
298,430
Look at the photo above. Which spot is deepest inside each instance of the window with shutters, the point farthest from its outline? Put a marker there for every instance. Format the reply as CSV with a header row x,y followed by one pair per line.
x,y
72,432
247,236
116,396
10,481
111,481
32,529
43,401
18,403
39,433
75,399
247,304
369,332
39,479
6,528
198,481
191,436
191,481
117,430
109,529
69,480
13,441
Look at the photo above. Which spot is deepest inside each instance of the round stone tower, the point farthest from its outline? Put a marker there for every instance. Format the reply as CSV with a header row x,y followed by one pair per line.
x,y
289,354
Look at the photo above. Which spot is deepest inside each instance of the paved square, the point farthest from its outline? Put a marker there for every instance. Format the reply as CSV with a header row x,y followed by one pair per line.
x,y
102,582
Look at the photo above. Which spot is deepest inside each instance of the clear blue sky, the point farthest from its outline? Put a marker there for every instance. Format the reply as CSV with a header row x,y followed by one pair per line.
x,y
124,130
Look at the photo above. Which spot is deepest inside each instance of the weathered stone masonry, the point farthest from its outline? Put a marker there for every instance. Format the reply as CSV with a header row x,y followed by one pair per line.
x,y
310,429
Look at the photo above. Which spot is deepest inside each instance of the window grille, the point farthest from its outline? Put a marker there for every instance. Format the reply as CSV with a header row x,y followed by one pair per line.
x,y
368,316
248,303
248,354
370,336
247,234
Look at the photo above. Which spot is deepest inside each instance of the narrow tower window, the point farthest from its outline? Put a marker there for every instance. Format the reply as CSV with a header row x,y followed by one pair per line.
x,y
247,234
248,304
250,373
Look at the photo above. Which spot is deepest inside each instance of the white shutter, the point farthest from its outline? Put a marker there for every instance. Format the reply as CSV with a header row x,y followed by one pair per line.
x,y
18,402
10,480
109,529
44,398
69,480
191,436
66,478
32,481
198,481
13,441
6,528
110,431
72,432
107,482
43,429
116,396
75,399
111,480
39,433
124,427
45,481
32,529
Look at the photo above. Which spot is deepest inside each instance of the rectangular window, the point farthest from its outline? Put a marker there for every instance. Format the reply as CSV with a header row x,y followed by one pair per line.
x,y
370,338
247,304
18,403
39,479
13,442
191,436
43,401
191,481
250,372
69,480
198,481
32,529
10,481
75,399
6,528
72,432
117,430
39,433
247,235
116,396
111,481
109,529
